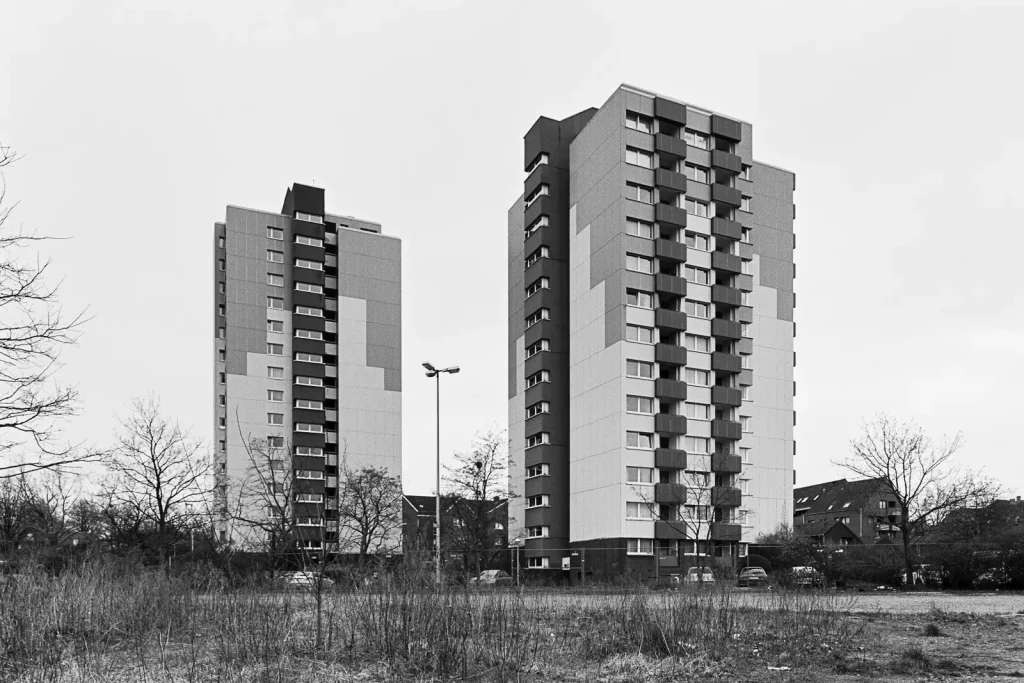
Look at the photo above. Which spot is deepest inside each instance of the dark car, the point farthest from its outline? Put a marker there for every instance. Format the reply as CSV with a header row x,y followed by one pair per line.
x,y
751,577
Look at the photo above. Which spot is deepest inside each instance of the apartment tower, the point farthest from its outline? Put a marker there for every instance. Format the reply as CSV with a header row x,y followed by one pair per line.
x,y
308,359
650,340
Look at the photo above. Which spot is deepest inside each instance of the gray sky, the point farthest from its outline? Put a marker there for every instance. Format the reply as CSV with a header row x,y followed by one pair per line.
x,y
139,126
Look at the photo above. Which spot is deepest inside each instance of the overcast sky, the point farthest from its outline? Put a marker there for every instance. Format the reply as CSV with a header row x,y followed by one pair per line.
x,y
900,120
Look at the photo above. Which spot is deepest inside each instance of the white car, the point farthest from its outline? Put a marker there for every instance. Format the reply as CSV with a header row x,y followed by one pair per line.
x,y
305,580
694,575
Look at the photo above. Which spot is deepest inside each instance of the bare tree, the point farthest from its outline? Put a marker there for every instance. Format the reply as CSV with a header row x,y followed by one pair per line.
x,y
369,508
158,470
925,479
33,332
15,514
477,490
54,497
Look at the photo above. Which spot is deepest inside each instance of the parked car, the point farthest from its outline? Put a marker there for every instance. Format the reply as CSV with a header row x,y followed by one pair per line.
x,y
492,577
994,578
924,575
304,580
696,575
752,576
806,577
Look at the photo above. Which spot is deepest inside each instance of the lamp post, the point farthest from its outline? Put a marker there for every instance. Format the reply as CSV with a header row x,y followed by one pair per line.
x,y
435,372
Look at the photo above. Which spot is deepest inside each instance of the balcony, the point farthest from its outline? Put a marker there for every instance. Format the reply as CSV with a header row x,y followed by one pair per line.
x,y
670,354
727,229
669,148
668,319
670,389
726,262
722,127
726,396
745,283
724,161
726,429
724,462
670,494
665,423
726,329
667,214
669,459
670,180
669,284
668,250
670,111
745,314
726,497
724,531
669,530
729,196
726,296
726,362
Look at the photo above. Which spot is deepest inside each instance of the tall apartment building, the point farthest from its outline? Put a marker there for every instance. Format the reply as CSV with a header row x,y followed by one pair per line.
x,y
307,355
650,339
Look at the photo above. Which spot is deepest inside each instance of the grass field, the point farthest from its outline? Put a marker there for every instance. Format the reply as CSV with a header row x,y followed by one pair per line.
x,y
107,623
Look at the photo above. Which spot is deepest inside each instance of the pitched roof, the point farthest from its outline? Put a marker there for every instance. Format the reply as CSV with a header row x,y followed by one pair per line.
x,y
834,496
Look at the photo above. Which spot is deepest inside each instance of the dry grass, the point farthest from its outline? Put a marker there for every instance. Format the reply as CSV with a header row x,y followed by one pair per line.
x,y
102,623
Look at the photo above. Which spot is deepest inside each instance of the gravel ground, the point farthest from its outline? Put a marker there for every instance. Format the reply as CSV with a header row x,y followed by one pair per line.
x,y
1001,603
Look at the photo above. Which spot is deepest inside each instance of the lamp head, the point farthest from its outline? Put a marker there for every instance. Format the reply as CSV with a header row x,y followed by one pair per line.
x,y
429,367
453,369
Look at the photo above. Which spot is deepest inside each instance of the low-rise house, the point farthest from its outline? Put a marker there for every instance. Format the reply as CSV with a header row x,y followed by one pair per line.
x,y
845,512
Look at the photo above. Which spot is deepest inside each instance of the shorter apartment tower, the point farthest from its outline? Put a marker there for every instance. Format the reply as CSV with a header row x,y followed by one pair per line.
x,y
650,340
307,357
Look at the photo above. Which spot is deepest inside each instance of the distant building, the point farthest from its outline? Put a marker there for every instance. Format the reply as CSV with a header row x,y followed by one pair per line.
x,y
846,512
418,522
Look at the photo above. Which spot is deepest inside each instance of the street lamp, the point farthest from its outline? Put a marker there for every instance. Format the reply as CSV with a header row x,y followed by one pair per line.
x,y
435,372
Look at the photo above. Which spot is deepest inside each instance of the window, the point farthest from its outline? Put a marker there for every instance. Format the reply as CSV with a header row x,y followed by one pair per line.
x,y
222,288
309,404
640,193
639,404
538,439
222,355
698,174
644,335
537,377
538,532
541,222
534,349
746,423
309,381
638,157
222,332
639,511
745,204
309,451
745,267
275,349
537,563
744,298
276,419
275,256
537,409
275,233
223,378
308,217
640,264
635,297
275,442
221,310
309,498
745,455
539,192
309,310
221,264
699,344
307,264
696,139
309,334
640,228
697,208
222,423
697,309
639,440
538,284
696,241
541,501
309,474
537,471
220,242
542,158
275,395
640,475
537,256
639,368
745,172
275,373
700,480
698,411
640,546
223,400
309,428
745,236
542,314
222,446
275,302
309,357
309,241
275,280
644,124
697,275
698,378
308,287
745,392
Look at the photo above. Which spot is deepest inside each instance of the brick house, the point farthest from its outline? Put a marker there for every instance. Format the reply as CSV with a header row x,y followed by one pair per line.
x,y
845,512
